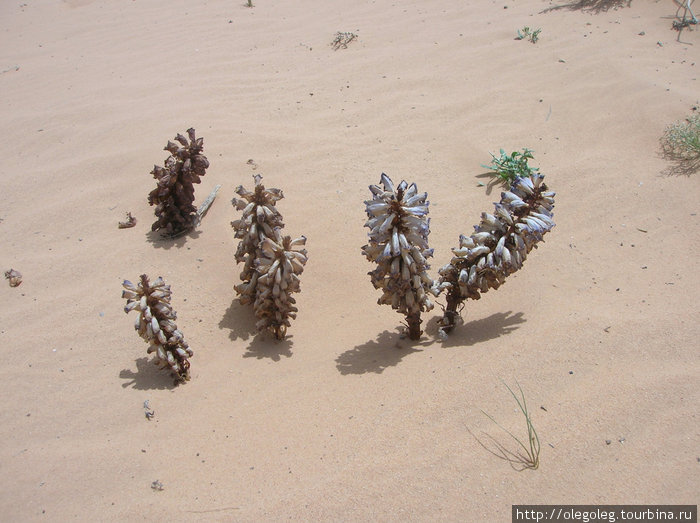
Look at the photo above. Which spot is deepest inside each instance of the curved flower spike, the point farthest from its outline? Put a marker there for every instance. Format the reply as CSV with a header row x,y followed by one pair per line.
x,y
156,324
499,245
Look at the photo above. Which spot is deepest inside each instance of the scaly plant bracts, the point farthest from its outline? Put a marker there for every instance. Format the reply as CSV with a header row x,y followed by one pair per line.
x,y
156,324
278,268
499,245
174,194
259,221
398,244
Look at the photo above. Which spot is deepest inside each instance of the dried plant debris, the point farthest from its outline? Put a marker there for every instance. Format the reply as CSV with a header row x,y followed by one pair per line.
x,y
398,244
174,195
129,222
499,245
156,324
342,40
148,411
278,268
259,221
14,276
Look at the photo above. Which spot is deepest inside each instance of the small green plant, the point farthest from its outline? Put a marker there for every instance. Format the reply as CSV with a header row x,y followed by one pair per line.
x,y
681,144
527,34
527,456
509,167
249,3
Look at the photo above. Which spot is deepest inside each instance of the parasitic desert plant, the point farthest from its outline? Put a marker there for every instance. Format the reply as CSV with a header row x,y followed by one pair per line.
x,y
278,267
499,245
155,323
272,263
398,244
259,220
174,194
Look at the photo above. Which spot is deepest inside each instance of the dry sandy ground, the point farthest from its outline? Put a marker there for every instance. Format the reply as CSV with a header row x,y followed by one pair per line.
x,y
344,421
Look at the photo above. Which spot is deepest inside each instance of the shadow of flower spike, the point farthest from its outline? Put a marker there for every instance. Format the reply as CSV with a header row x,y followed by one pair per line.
x,y
387,350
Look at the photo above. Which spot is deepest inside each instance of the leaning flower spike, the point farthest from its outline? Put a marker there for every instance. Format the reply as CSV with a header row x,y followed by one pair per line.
x,y
259,220
281,262
174,193
499,245
156,324
398,243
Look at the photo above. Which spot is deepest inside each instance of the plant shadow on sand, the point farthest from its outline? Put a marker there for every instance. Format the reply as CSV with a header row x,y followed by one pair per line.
x,y
389,348
489,328
591,6
265,346
164,242
240,320
681,167
148,376
494,181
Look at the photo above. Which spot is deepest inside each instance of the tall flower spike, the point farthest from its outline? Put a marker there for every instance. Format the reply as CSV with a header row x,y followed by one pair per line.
x,y
281,262
259,221
398,243
156,324
174,194
499,245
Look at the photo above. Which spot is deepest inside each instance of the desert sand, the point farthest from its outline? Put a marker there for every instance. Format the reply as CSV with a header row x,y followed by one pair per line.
x,y
346,420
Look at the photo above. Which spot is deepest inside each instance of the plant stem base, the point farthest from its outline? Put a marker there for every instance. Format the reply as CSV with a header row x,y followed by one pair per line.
x,y
414,322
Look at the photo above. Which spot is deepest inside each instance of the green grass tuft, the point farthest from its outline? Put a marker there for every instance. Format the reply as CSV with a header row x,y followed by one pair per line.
x,y
681,144
527,456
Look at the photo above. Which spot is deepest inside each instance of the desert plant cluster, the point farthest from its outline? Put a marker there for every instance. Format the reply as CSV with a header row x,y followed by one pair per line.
x,y
398,223
398,244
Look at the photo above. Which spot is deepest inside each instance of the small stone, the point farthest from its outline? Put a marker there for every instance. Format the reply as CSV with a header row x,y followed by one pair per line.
x,y
608,442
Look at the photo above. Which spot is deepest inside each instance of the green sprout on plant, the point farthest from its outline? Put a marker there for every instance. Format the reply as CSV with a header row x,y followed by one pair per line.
x,y
527,34
681,144
509,167
527,456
